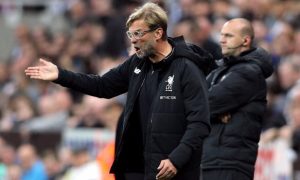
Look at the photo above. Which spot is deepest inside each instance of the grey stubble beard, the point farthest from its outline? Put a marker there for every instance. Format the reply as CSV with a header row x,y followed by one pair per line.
x,y
147,51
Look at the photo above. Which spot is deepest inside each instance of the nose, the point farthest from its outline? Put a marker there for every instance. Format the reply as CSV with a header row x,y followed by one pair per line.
x,y
222,40
133,40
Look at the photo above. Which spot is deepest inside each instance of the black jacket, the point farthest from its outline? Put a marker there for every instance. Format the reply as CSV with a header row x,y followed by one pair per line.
x,y
180,114
238,87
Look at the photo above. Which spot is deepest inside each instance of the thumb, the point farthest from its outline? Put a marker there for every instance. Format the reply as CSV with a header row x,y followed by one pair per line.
x,y
43,61
160,165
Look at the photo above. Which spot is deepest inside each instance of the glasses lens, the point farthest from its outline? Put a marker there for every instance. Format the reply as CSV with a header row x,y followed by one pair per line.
x,y
137,34
129,34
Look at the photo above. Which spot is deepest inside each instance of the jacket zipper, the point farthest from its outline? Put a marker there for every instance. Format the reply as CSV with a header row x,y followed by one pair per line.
x,y
149,125
125,123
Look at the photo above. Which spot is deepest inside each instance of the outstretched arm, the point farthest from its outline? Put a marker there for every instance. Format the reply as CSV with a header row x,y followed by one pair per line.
x,y
44,71
112,83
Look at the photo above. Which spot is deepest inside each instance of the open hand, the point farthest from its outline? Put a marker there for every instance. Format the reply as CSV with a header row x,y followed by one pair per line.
x,y
44,71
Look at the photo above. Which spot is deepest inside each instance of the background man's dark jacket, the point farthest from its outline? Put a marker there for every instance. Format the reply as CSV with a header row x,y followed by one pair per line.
x,y
238,87
180,114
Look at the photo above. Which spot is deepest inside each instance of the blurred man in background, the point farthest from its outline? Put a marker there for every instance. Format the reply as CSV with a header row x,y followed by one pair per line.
x,y
32,167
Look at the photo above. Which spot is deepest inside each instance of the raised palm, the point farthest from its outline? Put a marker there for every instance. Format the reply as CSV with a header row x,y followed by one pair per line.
x,y
44,71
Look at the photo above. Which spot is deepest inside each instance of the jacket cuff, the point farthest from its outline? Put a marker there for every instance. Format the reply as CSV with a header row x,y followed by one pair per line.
x,y
181,155
63,76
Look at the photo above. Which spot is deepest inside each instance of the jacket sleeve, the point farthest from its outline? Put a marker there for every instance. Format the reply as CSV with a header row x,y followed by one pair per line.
x,y
113,83
194,90
236,88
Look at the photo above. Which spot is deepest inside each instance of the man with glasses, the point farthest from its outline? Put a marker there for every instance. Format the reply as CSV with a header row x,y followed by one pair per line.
x,y
166,116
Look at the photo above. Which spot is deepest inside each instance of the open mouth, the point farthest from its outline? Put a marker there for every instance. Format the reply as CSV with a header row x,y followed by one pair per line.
x,y
137,49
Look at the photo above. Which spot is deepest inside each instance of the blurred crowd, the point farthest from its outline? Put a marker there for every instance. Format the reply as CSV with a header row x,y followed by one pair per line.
x,y
93,40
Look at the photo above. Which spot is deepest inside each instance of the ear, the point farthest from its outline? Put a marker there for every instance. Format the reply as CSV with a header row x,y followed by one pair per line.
x,y
158,33
247,41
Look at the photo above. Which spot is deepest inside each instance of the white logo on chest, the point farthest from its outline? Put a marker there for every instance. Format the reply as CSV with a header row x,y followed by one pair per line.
x,y
170,81
136,70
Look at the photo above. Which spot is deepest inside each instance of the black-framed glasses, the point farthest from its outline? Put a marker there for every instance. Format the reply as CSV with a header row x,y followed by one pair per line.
x,y
139,33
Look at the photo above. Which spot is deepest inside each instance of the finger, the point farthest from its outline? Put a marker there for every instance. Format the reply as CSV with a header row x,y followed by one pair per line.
x,y
169,174
32,68
161,173
35,77
160,165
226,118
32,73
